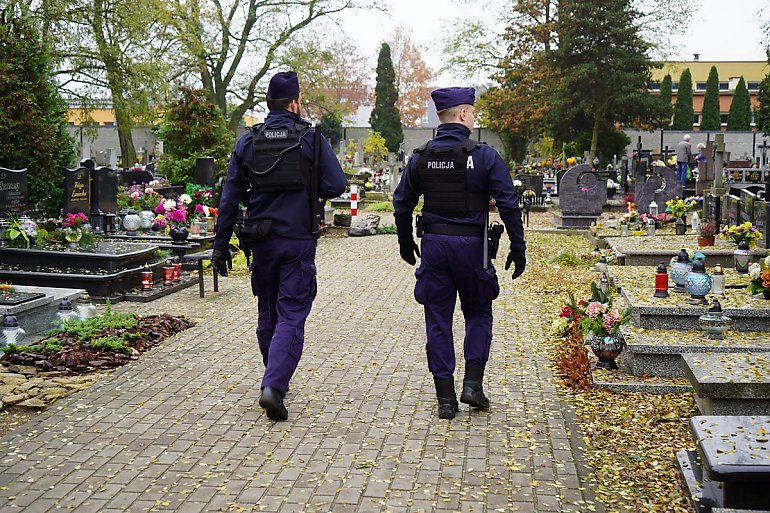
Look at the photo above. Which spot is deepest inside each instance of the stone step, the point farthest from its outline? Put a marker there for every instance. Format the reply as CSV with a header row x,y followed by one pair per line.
x,y
729,383
618,381
657,352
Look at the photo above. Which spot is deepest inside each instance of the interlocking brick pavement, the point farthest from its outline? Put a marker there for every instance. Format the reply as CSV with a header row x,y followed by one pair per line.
x,y
180,429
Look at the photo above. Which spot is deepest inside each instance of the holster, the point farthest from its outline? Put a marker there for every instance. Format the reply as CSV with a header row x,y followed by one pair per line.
x,y
419,225
494,233
249,232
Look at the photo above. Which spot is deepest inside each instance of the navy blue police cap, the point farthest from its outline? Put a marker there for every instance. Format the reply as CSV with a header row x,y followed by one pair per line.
x,y
283,85
450,96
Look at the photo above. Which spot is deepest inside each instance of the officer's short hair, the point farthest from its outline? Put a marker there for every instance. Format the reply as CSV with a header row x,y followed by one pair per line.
x,y
450,113
280,103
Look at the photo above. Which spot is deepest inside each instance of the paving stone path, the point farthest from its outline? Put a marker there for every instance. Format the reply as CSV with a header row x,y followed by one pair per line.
x,y
180,429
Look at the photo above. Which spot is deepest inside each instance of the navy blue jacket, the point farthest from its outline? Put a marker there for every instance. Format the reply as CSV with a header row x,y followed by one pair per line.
x,y
489,176
289,211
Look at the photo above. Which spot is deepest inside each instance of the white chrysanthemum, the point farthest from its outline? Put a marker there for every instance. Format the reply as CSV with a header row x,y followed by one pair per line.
x,y
185,198
169,204
754,271
767,261
517,183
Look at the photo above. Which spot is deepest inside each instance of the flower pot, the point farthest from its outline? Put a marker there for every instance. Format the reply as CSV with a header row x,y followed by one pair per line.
x,y
72,236
607,348
705,241
178,234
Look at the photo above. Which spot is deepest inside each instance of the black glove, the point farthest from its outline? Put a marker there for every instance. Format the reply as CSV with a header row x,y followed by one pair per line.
x,y
221,261
408,248
519,259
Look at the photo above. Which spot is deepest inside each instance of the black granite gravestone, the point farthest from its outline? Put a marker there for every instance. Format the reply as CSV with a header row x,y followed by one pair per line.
x,y
662,186
104,193
732,209
13,192
89,163
129,177
77,190
531,182
205,174
712,206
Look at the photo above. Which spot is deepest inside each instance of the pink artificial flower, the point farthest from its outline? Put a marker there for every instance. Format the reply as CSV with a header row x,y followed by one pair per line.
x,y
179,215
595,308
149,190
197,194
584,189
199,209
160,209
610,319
135,195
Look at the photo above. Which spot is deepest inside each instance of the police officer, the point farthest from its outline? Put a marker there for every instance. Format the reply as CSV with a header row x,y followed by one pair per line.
x,y
278,170
456,176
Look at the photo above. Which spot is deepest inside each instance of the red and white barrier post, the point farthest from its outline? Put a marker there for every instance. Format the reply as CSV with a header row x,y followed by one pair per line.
x,y
353,204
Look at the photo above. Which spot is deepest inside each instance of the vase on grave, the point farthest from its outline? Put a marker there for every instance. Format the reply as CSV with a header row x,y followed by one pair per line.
x,y
742,257
146,218
73,235
606,348
714,322
178,234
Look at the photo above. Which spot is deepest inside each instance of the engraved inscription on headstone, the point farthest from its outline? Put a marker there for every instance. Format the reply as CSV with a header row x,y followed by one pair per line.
x,y
662,186
13,192
104,193
581,192
77,190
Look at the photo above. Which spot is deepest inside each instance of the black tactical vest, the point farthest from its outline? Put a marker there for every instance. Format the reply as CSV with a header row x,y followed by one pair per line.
x,y
441,175
276,162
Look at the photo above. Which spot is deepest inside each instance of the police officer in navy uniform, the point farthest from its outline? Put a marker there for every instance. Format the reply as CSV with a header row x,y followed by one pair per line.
x,y
456,177
278,173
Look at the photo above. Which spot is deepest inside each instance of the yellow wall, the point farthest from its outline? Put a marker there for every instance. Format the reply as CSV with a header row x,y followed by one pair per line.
x,y
752,71
101,116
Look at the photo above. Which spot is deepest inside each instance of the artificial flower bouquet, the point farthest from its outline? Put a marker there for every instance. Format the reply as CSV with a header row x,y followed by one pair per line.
x,y
740,232
678,207
760,277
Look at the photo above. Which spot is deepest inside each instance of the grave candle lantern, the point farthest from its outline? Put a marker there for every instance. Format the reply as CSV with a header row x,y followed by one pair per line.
x,y
680,269
718,280
697,283
168,273
604,286
64,313
177,270
653,208
612,222
650,227
85,307
146,278
661,281
12,332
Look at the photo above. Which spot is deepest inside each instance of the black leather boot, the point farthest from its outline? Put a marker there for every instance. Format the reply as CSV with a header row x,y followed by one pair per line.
x,y
473,389
447,398
272,401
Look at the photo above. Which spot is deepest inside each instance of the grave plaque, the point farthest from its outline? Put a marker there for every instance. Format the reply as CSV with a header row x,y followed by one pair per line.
x,y
104,195
732,209
13,192
205,174
662,186
581,193
748,197
531,182
713,210
77,190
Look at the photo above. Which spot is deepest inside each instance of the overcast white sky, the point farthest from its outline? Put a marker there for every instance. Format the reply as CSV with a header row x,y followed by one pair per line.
x,y
718,30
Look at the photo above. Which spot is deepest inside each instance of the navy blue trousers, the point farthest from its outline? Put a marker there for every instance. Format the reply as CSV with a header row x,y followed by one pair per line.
x,y
283,277
451,266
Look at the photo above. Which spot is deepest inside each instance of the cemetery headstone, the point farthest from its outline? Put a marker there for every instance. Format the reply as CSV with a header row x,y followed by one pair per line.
x,y
14,200
104,193
130,177
89,163
77,190
205,174
712,207
531,182
732,209
581,198
662,186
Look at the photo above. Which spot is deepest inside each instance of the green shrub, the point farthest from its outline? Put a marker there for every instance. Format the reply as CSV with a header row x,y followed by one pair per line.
x,y
110,344
46,346
88,328
386,230
380,206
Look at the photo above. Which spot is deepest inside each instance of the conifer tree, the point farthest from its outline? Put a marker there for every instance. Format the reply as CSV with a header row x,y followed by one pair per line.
x,y
762,112
385,117
740,109
665,98
32,113
710,118
683,111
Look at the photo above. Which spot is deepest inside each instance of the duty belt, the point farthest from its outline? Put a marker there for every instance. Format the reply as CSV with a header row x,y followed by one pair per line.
x,y
466,230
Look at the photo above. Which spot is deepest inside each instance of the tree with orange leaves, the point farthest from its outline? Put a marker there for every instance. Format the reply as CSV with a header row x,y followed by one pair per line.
x,y
413,77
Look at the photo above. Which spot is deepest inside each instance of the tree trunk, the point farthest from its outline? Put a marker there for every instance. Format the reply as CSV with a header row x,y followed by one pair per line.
x,y
594,137
124,124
